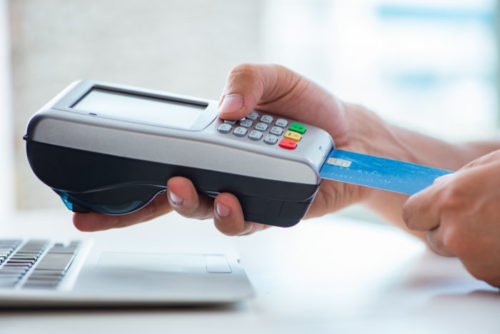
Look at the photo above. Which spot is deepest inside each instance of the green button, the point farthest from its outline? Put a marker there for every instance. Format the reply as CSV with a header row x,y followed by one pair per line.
x,y
297,127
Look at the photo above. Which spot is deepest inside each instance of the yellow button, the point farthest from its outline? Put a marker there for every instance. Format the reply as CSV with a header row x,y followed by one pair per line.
x,y
293,135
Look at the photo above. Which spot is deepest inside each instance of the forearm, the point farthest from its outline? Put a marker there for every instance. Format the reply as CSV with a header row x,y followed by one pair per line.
x,y
383,139
386,140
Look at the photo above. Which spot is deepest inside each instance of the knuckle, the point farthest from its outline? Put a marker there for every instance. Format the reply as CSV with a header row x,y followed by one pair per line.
x,y
244,71
454,241
437,245
407,215
450,197
189,208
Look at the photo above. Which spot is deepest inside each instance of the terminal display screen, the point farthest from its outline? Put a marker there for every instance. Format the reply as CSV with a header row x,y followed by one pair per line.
x,y
140,109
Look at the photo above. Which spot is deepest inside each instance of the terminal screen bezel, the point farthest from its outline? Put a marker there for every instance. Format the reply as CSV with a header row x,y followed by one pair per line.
x,y
83,88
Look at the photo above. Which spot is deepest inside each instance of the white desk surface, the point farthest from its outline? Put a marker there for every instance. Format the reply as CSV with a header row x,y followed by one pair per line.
x,y
322,276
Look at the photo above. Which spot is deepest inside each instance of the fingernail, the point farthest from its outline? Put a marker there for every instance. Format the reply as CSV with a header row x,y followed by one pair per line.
x,y
231,102
442,178
222,210
175,199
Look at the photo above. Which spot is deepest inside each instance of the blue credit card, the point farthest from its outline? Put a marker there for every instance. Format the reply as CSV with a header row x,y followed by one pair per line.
x,y
381,173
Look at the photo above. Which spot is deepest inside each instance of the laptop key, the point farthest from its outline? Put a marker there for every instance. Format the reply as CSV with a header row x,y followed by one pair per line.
x,y
40,285
55,262
49,264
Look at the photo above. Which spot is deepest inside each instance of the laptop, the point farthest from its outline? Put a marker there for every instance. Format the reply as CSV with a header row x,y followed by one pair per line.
x,y
42,272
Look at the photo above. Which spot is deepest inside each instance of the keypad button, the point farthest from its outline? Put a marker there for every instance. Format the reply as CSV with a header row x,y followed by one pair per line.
x,y
297,127
266,119
246,123
240,131
261,126
224,128
230,122
293,135
253,116
255,135
270,139
288,144
281,122
276,130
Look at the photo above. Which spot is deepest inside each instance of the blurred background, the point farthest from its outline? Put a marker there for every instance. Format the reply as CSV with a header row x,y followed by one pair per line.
x,y
428,65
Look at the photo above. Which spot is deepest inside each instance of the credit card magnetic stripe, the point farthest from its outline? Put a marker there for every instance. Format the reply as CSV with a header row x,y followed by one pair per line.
x,y
380,173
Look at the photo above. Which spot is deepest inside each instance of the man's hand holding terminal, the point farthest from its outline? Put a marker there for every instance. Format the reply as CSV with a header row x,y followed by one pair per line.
x,y
467,231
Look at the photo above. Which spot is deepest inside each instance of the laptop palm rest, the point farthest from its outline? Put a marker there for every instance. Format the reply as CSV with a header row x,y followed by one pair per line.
x,y
157,274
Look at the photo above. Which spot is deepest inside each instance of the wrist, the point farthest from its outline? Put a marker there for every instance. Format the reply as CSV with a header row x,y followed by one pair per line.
x,y
370,134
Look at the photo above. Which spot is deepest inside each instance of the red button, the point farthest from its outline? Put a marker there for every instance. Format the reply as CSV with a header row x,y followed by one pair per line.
x,y
288,144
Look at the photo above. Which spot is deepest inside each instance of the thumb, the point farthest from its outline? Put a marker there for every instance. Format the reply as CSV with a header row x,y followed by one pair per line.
x,y
278,90
243,91
232,106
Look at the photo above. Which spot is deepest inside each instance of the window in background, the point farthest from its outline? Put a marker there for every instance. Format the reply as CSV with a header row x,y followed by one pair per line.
x,y
428,65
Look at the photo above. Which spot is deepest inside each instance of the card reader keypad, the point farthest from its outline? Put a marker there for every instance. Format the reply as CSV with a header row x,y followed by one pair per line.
x,y
264,129
240,131
246,123
255,135
224,128
266,119
253,116
261,126
270,139
276,130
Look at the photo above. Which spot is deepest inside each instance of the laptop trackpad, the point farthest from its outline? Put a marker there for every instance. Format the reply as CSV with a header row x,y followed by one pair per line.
x,y
154,273
166,262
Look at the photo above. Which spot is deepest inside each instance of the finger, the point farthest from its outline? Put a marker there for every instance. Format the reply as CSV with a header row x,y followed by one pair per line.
x,y
245,88
485,159
333,196
421,211
436,241
228,217
277,89
92,221
184,198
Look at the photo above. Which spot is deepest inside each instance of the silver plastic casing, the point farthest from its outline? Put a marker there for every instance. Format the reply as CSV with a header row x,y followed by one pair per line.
x,y
200,146
116,163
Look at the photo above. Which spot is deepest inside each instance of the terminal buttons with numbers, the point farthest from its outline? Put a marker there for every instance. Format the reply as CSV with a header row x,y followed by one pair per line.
x,y
266,119
224,128
293,136
271,131
270,139
246,123
261,126
297,127
281,122
276,130
240,131
253,116
255,135
288,144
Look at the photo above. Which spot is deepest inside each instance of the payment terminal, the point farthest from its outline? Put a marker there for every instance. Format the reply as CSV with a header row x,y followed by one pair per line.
x,y
111,148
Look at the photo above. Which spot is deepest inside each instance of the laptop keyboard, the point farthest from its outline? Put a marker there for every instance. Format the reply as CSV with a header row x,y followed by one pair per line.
x,y
34,264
